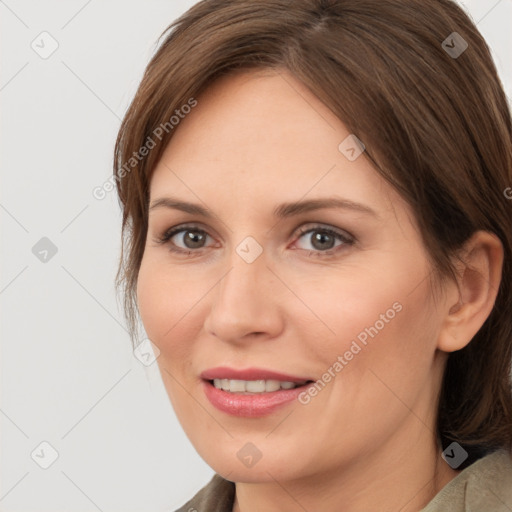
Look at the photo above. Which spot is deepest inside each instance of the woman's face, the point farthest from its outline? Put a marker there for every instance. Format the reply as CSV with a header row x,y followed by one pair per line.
x,y
338,294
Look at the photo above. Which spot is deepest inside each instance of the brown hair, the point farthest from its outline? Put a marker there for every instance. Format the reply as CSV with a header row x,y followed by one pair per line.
x,y
437,126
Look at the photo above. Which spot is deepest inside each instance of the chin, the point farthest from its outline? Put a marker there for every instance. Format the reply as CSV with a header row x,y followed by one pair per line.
x,y
239,468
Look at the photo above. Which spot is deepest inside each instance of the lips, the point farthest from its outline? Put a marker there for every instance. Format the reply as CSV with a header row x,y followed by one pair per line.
x,y
223,372
251,405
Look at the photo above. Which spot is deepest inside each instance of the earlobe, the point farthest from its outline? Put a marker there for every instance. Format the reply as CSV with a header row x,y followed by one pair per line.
x,y
478,279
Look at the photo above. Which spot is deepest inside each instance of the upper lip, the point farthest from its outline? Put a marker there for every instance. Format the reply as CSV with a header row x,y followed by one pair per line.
x,y
223,372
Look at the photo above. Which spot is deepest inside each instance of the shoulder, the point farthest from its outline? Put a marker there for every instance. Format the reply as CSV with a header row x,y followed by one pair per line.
x,y
484,485
216,496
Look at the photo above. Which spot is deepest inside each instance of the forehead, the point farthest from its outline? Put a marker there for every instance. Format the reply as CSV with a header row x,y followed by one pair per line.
x,y
263,135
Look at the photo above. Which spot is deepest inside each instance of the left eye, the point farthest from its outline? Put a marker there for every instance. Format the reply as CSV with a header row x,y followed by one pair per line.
x,y
324,239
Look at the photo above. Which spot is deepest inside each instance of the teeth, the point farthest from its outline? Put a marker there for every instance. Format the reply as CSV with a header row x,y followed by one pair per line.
x,y
274,385
236,386
253,386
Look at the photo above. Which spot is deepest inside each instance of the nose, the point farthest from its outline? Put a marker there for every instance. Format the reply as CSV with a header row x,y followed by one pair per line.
x,y
245,303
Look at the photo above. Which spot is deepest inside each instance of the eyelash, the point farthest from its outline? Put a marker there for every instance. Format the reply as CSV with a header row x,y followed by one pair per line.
x,y
348,240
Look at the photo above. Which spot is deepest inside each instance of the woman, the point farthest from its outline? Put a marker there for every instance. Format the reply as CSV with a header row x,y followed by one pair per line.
x,y
317,240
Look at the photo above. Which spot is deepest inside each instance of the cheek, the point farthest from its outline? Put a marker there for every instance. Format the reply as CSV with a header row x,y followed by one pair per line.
x,y
350,306
397,350
375,321
379,359
166,303
151,299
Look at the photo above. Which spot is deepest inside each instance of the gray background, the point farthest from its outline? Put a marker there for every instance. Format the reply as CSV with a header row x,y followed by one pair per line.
x,y
68,375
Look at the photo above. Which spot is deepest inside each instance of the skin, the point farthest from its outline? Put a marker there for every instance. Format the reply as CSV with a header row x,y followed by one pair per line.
x,y
367,440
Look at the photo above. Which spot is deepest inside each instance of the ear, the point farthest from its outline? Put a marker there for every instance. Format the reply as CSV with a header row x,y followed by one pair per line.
x,y
469,304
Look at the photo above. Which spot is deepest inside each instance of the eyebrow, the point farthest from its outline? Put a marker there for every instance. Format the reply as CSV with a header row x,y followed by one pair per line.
x,y
282,211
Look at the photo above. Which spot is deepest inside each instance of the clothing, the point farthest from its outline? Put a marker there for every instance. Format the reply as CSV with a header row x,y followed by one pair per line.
x,y
484,486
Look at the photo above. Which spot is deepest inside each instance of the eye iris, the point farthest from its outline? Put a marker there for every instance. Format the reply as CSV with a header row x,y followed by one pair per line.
x,y
193,239
322,237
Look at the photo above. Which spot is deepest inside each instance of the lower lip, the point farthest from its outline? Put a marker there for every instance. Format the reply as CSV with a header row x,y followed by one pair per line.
x,y
250,406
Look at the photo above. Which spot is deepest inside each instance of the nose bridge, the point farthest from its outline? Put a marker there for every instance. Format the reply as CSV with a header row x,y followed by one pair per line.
x,y
247,263
243,301
243,287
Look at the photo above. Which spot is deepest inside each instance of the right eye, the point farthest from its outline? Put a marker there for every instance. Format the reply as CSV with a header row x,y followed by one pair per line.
x,y
184,239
